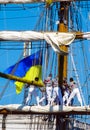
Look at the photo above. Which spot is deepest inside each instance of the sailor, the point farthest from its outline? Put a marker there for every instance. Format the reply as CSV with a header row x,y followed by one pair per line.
x,y
33,91
25,93
47,91
56,94
66,91
48,84
74,92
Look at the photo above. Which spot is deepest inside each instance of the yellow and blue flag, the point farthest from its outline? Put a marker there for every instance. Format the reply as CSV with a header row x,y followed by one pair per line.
x,y
28,68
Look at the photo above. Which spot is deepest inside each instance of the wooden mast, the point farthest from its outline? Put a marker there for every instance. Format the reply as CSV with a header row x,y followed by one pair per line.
x,y
63,27
62,60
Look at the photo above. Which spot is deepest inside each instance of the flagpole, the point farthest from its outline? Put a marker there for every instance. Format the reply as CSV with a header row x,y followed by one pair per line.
x,y
12,77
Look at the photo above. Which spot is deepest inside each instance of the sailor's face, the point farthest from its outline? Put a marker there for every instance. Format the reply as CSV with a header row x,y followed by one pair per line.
x,y
71,83
49,77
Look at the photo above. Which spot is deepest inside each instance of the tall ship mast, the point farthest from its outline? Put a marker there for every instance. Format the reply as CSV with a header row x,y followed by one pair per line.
x,y
59,30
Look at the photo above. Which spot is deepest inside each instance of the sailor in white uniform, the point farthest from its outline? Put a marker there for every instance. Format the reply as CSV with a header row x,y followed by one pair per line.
x,y
56,94
33,91
48,84
66,91
75,92
46,96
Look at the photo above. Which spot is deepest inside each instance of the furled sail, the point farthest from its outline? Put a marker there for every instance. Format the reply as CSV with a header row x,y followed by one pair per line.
x,y
55,39
27,1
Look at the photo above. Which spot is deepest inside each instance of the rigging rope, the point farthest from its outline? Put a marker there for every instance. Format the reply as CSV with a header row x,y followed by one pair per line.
x,y
51,59
86,68
77,79
56,65
78,9
39,20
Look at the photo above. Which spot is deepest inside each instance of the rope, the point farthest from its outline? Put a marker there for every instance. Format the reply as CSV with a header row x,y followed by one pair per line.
x,y
51,60
77,79
55,64
45,66
39,20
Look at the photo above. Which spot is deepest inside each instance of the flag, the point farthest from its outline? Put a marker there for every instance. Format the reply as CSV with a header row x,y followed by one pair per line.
x,y
34,72
28,68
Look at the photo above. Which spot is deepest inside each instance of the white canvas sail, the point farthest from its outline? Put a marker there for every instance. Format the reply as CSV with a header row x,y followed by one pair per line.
x,y
27,1
55,39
